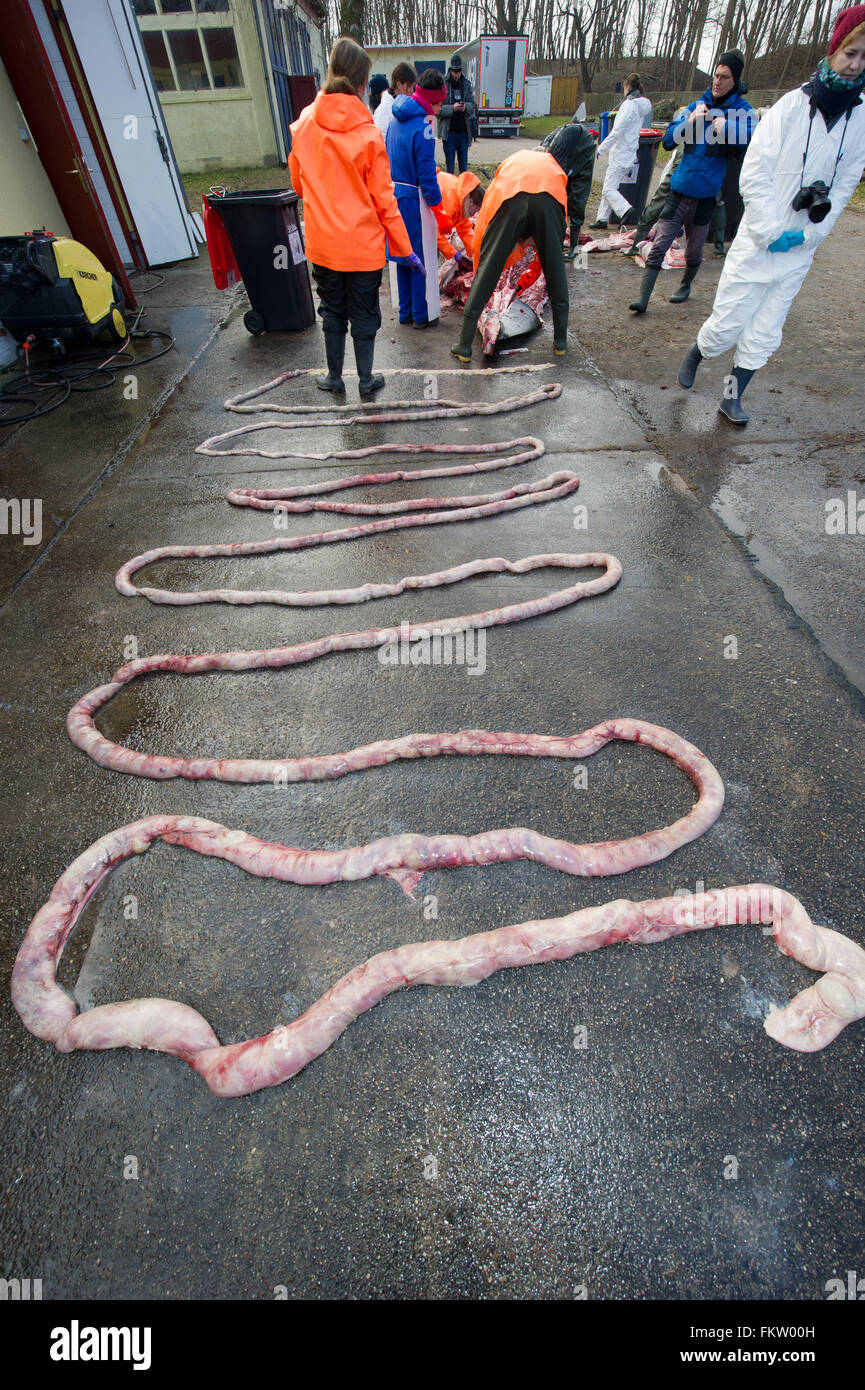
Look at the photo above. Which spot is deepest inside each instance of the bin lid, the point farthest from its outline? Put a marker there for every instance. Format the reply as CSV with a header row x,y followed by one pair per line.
x,y
274,197
648,133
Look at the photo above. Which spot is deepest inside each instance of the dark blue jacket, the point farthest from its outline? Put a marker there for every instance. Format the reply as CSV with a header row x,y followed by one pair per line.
x,y
411,150
701,170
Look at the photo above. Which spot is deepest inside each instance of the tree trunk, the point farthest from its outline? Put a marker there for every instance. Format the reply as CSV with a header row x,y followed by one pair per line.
x,y
351,19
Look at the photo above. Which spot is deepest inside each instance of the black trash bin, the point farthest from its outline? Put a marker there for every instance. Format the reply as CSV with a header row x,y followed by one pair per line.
x,y
264,230
637,192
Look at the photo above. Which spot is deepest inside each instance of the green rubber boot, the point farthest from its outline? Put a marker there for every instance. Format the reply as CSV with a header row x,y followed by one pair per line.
x,y
681,294
647,284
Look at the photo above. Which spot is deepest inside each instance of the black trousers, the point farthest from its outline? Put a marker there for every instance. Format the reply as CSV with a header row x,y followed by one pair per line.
x,y
348,297
536,215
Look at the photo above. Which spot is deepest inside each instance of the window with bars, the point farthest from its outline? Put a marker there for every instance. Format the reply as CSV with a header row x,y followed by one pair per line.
x,y
202,58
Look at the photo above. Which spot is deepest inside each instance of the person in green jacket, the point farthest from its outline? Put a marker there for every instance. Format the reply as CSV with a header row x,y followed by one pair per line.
x,y
574,148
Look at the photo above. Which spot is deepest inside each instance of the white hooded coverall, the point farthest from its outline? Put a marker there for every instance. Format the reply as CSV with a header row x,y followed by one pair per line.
x,y
622,144
757,286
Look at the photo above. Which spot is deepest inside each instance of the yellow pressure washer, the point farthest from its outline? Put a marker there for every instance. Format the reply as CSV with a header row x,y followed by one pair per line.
x,y
53,288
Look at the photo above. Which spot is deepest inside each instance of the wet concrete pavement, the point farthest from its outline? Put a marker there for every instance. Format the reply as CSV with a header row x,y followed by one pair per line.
x,y
782,484
453,1143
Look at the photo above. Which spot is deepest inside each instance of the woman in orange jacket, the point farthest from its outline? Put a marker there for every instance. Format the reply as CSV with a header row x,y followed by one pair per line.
x,y
339,167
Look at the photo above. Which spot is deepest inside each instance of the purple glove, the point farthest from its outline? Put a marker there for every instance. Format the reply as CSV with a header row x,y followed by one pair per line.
x,y
413,262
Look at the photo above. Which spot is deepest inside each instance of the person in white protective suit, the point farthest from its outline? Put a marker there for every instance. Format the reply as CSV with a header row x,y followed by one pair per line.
x,y
802,166
623,145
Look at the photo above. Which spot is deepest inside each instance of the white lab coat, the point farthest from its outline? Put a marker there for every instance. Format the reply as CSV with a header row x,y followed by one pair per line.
x,y
622,145
383,113
757,286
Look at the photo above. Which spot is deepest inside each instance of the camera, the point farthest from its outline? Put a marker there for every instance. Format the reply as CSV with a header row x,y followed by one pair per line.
x,y
815,198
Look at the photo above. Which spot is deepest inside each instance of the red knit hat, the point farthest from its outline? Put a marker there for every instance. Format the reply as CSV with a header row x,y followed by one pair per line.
x,y
849,22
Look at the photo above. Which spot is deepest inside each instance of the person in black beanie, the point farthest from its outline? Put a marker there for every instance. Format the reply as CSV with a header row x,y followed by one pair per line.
x,y
801,169
378,84
720,118
734,153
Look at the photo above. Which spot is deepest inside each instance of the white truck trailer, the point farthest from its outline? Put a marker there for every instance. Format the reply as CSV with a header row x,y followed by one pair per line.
x,y
495,64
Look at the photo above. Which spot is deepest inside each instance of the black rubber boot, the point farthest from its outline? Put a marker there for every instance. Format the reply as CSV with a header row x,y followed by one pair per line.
x,y
598,226
334,347
647,284
364,352
688,369
732,406
681,294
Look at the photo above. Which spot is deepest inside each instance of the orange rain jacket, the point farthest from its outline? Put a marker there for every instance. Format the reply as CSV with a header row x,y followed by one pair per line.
x,y
455,188
527,171
339,167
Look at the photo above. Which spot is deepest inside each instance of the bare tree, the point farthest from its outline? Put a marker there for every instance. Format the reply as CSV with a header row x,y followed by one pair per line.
x,y
351,19
595,37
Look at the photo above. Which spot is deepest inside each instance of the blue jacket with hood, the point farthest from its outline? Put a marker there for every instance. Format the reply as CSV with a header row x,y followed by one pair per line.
x,y
700,172
411,147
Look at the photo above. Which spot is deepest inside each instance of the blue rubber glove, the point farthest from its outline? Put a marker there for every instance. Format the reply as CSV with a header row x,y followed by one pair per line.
x,y
786,240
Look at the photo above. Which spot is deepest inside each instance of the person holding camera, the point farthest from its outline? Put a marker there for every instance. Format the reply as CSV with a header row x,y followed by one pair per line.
x,y
802,166
710,130
457,116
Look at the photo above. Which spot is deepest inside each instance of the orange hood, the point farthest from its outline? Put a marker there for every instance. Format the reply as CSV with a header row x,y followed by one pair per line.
x,y
339,167
466,182
337,111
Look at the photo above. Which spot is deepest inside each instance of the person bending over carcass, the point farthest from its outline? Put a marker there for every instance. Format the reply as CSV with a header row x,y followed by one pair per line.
x,y
462,196
527,201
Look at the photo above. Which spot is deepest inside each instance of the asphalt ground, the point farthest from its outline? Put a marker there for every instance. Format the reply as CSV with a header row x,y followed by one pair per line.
x,y
452,1144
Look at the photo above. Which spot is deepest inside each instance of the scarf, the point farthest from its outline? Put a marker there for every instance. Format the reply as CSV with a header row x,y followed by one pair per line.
x,y
422,96
833,94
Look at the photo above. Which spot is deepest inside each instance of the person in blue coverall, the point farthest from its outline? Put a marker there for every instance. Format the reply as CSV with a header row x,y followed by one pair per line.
x,y
711,130
411,151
